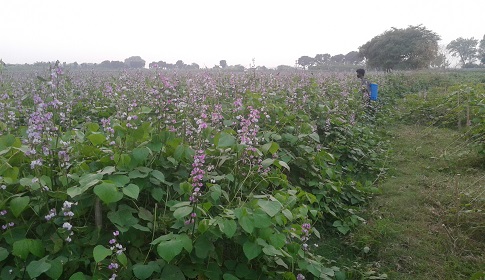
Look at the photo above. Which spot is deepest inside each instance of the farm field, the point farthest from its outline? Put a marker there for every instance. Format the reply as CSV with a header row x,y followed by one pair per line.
x,y
219,175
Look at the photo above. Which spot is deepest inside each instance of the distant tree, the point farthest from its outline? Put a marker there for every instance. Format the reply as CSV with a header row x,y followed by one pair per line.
x,y
194,66
105,64
305,61
411,48
135,62
284,68
153,65
223,63
116,64
322,59
338,59
179,64
353,58
238,67
481,50
441,60
465,49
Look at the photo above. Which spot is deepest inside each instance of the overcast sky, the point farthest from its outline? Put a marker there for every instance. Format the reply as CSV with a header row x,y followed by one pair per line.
x,y
206,31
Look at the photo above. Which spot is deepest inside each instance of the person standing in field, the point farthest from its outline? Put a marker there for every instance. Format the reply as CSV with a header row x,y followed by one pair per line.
x,y
365,86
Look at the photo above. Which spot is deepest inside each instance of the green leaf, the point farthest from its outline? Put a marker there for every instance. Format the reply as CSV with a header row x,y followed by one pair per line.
x,y
132,191
251,250
169,249
36,248
22,248
96,139
270,250
56,269
270,207
287,214
143,272
172,272
267,162
122,259
78,276
315,137
92,127
3,253
284,164
108,193
100,253
182,212
141,154
203,247
270,147
228,276
247,224
228,227
85,182
158,175
36,268
18,205
179,152
278,240
144,214
107,170
225,140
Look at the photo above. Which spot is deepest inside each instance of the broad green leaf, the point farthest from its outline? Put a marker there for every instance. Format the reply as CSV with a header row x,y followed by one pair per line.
x,y
287,214
203,247
251,250
36,248
270,207
107,170
132,191
284,164
247,224
267,162
270,147
56,269
97,139
36,268
228,227
119,180
179,152
3,253
225,140
278,240
158,175
270,250
122,259
228,276
21,248
141,154
78,276
92,127
169,249
143,272
108,193
90,179
100,253
172,272
181,212
144,214
18,205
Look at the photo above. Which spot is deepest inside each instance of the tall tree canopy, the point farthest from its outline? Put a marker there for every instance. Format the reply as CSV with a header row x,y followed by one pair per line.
x,y
306,61
481,50
465,49
135,62
412,48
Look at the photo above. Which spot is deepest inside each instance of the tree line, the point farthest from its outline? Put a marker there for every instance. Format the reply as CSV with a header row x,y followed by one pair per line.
x,y
414,47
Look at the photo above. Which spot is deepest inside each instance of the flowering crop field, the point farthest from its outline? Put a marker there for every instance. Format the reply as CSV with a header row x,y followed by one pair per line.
x,y
191,175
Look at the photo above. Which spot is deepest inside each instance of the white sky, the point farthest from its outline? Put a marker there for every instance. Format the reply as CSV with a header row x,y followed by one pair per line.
x,y
206,31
